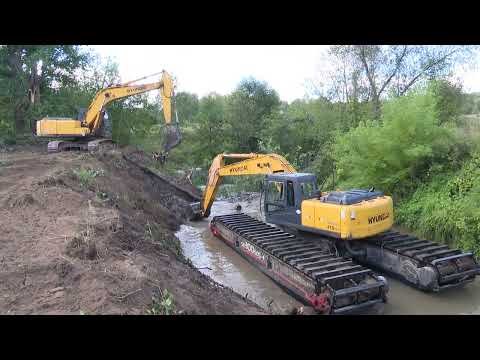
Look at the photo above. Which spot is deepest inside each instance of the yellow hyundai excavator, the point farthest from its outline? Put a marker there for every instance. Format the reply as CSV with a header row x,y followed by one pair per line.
x,y
321,241
93,127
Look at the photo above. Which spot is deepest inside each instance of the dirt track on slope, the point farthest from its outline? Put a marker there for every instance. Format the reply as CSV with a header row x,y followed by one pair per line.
x,y
94,234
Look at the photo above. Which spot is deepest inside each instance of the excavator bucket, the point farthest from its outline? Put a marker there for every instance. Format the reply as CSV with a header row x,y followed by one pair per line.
x,y
173,138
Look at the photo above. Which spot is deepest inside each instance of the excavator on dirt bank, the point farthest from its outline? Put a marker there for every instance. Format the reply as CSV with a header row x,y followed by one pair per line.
x,y
320,242
93,126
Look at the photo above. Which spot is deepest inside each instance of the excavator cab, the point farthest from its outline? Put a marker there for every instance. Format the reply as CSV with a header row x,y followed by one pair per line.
x,y
284,193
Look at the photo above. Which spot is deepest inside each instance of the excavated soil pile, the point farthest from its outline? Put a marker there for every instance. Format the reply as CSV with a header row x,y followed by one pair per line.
x,y
83,233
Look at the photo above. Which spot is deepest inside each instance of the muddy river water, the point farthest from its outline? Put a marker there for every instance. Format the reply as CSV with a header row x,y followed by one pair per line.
x,y
217,260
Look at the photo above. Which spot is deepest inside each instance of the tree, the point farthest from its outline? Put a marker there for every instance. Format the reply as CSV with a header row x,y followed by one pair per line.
x,y
449,100
396,153
371,72
98,74
187,106
247,110
30,70
303,132
209,128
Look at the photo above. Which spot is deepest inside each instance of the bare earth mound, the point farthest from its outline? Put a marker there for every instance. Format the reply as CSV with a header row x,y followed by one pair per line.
x,y
82,233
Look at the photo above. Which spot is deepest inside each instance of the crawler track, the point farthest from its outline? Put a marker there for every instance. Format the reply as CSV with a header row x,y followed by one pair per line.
x,y
329,283
424,264
82,145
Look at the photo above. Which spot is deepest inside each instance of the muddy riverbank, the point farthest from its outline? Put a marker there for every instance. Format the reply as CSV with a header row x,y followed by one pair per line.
x,y
90,233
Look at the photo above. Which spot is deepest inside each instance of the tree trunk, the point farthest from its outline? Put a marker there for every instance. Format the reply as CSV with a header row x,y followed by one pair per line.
x,y
356,115
34,85
370,72
376,107
19,119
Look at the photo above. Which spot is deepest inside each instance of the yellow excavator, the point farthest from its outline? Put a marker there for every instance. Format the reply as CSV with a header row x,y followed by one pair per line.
x,y
353,224
93,127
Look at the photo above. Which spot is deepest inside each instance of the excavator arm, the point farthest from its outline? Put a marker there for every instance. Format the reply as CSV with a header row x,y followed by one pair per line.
x,y
94,114
249,164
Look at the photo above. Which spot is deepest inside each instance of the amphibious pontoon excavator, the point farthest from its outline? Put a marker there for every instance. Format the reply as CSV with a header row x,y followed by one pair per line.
x,y
321,241
93,127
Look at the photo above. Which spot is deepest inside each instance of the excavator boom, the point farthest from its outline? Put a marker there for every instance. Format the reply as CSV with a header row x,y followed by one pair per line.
x,y
105,96
249,164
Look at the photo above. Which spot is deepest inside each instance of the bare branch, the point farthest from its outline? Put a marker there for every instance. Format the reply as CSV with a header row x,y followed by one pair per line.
x,y
371,80
395,71
426,68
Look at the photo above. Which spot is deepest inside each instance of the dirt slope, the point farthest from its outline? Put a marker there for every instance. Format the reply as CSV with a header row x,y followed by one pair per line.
x,y
94,234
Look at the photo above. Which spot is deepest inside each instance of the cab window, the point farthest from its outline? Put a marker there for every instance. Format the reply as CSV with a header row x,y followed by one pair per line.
x,y
275,196
290,194
275,192
307,189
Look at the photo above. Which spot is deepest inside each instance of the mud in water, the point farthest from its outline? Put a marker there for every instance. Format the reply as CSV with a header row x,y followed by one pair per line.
x,y
217,260
224,265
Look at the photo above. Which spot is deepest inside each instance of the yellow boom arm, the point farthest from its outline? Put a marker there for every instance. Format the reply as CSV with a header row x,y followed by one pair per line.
x,y
249,164
65,127
93,117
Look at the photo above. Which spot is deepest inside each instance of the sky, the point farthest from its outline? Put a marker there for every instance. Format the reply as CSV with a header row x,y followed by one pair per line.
x,y
202,69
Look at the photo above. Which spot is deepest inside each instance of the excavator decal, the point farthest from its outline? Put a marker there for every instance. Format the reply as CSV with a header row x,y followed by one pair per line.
x,y
377,218
237,169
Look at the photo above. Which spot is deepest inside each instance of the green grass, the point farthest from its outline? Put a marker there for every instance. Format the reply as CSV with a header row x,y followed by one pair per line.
x,y
165,305
86,176
446,208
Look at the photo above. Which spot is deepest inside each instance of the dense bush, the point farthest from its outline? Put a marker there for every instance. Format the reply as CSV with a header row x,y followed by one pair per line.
x,y
446,208
397,152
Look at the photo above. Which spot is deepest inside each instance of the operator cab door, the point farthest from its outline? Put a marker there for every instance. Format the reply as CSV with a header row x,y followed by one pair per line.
x,y
280,202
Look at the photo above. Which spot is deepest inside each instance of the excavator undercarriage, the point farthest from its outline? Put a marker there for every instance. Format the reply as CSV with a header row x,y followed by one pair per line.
x,y
306,269
93,145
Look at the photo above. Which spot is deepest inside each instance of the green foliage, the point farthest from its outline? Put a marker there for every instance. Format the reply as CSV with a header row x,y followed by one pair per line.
x,y
85,176
187,106
304,132
208,130
163,306
446,208
29,74
248,108
448,100
470,104
397,152
460,185
7,132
